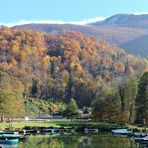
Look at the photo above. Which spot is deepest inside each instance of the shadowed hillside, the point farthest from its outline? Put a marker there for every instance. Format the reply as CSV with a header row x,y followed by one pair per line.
x,y
136,45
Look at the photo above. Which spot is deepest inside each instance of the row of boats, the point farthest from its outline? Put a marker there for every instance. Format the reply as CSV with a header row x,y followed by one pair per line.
x,y
60,130
139,137
14,137
11,137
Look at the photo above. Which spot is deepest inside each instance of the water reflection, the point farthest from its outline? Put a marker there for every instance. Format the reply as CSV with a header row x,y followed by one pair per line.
x,y
9,145
77,141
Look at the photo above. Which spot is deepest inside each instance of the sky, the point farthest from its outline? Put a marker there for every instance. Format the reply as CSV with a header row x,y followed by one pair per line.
x,y
13,12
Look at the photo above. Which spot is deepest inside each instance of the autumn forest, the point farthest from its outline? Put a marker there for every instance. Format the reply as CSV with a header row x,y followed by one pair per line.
x,y
51,69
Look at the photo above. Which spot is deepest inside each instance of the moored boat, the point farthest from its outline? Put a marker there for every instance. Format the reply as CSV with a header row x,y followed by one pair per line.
x,y
139,134
53,131
142,141
9,138
91,130
119,132
48,130
9,132
33,131
9,141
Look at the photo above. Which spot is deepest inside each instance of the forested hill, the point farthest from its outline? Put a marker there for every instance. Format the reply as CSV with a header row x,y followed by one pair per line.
x,y
112,33
62,65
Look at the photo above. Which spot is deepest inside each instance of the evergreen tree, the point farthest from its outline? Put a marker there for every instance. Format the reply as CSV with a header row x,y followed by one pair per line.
x,y
69,93
54,69
142,100
131,92
72,109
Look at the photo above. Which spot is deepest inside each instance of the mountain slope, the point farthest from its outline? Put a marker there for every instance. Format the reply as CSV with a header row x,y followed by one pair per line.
x,y
112,34
135,46
126,20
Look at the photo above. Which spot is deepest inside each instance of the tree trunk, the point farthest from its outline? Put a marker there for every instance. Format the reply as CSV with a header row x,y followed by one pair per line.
x,y
122,97
122,104
2,117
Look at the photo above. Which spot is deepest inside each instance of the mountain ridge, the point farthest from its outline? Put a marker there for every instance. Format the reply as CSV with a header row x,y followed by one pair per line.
x,y
129,20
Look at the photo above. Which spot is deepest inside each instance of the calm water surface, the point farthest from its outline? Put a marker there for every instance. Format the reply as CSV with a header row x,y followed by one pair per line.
x,y
76,141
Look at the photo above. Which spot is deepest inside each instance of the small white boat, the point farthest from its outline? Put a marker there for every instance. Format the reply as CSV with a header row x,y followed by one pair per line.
x,y
140,134
143,140
119,132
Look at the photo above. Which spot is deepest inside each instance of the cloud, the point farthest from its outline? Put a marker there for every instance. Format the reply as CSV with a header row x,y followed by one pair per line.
x,y
140,13
87,21
83,22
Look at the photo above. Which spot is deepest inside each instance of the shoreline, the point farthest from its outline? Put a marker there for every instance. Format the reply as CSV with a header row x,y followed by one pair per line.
x,y
102,126
78,125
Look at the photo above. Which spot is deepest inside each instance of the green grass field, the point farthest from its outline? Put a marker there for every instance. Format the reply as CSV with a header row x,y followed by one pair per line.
x,y
68,123
21,124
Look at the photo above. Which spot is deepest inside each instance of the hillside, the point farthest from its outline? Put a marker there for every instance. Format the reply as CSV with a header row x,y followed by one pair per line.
x,y
134,46
63,65
126,20
137,45
112,34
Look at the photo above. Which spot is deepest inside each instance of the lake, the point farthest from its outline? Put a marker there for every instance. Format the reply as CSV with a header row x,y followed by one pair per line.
x,y
78,141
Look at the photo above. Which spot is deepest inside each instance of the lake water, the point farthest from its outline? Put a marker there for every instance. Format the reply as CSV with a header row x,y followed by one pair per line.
x,y
78,141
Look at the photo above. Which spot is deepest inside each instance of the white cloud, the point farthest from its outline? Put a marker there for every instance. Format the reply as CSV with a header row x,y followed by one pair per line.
x,y
86,21
83,22
140,13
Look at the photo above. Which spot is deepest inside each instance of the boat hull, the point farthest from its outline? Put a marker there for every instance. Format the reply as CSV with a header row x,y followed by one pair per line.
x,y
122,132
9,136
12,141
